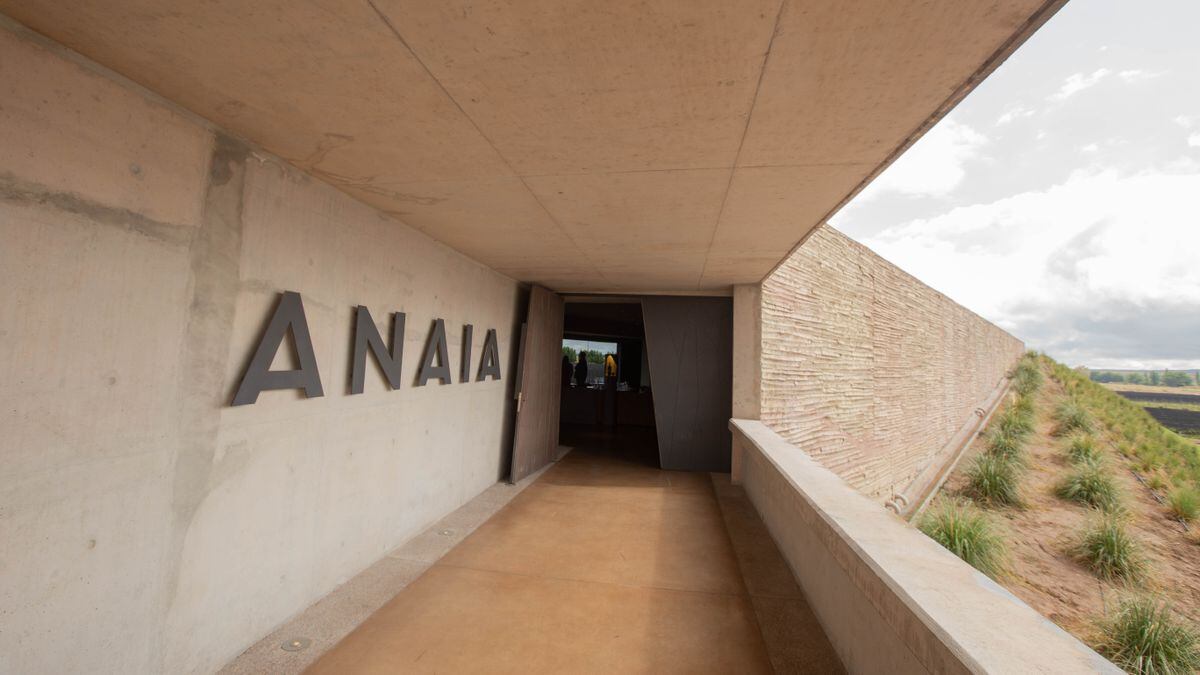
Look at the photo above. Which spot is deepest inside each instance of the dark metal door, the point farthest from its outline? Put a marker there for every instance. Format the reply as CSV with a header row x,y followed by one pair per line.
x,y
690,347
539,372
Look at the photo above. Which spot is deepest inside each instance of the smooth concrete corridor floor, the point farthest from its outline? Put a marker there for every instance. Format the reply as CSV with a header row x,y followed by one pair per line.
x,y
603,565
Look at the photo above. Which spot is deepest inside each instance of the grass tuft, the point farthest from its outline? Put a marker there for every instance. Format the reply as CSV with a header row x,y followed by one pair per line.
x,y
1006,444
1156,480
1027,376
1184,503
1024,405
1071,417
967,533
994,479
1082,449
1108,550
1015,422
1145,638
1091,485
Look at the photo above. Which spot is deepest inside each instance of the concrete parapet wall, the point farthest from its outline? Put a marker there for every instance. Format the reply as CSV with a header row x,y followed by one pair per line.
x,y
890,599
145,525
865,368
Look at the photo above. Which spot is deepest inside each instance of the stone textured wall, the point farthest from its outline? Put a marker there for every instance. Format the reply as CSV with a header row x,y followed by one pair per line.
x,y
867,369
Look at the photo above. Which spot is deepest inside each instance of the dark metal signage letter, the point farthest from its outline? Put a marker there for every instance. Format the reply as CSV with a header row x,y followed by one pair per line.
x,y
464,371
259,377
435,348
366,335
490,365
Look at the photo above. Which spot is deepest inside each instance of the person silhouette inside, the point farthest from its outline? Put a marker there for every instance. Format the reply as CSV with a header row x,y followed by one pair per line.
x,y
566,372
581,369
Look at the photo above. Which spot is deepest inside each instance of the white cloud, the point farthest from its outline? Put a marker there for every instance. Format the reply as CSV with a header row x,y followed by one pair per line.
x,y
1131,76
1077,83
1015,113
1092,268
1090,147
933,166
1188,122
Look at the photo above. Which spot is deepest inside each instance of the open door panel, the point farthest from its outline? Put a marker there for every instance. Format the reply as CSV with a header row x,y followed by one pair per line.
x,y
535,439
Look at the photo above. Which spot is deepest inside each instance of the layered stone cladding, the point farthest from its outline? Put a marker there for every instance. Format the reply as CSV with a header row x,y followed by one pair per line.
x,y
866,368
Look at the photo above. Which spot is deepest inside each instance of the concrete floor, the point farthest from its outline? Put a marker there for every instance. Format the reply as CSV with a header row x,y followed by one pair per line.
x,y
604,564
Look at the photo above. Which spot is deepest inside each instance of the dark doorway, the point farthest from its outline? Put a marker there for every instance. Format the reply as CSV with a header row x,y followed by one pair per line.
x,y
607,402
666,398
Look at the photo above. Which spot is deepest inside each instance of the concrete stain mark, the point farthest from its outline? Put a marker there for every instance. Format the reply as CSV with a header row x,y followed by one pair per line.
x,y
398,196
338,179
310,165
22,193
328,143
215,282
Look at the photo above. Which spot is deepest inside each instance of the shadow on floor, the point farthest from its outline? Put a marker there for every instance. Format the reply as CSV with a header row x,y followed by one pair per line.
x,y
635,445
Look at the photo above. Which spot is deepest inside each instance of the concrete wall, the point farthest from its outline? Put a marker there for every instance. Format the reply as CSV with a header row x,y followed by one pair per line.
x,y
890,599
865,368
145,525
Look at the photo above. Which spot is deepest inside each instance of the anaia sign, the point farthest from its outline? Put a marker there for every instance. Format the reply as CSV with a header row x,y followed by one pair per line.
x,y
289,316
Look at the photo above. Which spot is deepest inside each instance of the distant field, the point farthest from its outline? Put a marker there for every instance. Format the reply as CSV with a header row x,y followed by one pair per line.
x,y
1155,397
1186,422
1173,405
1177,408
1122,386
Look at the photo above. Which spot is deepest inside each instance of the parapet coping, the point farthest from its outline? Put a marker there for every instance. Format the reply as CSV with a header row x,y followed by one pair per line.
x,y
914,583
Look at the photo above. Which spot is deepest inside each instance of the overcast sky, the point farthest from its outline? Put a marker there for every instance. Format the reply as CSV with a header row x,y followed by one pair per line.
x,y
1061,199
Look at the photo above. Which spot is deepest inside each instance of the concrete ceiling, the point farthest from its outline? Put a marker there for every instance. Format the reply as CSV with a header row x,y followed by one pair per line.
x,y
626,145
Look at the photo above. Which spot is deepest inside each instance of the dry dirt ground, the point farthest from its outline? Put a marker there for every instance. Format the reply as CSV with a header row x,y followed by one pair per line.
x,y
1041,570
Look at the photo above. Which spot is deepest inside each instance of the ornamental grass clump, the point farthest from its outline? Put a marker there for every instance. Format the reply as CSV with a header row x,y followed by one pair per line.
x,y
1184,503
1071,417
1156,480
1145,637
1107,549
1015,422
1082,449
1027,376
1006,444
1090,484
1024,405
967,533
994,480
